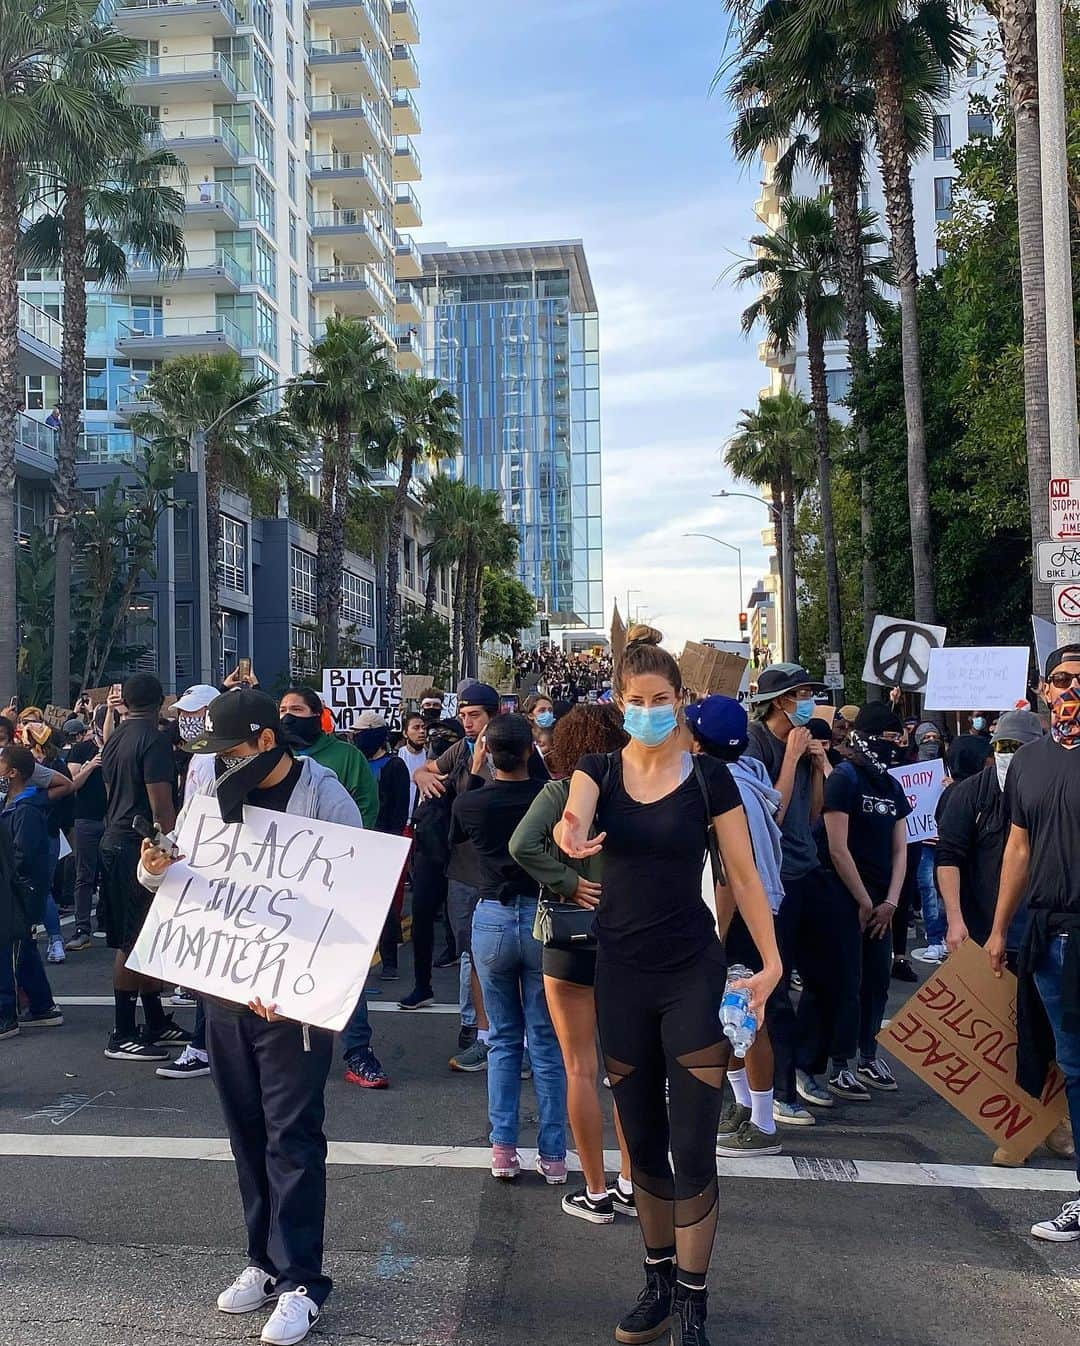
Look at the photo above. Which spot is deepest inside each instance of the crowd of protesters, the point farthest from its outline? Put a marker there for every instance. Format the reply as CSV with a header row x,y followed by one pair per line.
x,y
564,675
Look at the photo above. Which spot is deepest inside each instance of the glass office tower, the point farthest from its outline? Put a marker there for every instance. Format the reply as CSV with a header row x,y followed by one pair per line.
x,y
512,332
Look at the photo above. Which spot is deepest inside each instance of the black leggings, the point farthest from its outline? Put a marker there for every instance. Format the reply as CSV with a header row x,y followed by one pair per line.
x,y
428,895
657,1027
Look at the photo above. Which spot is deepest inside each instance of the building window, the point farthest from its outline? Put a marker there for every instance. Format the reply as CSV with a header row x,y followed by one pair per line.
x,y
96,391
30,508
184,642
294,295
289,10
292,175
264,203
293,223
294,343
303,652
262,16
264,77
289,67
264,140
302,581
942,136
265,265
941,255
266,327
230,641
355,654
357,599
181,531
943,198
980,124
408,548
140,634
837,384
232,555
290,117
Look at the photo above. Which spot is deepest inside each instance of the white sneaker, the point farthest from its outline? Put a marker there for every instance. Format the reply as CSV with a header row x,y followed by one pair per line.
x,y
251,1290
292,1320
1065,1228
56,952
933,953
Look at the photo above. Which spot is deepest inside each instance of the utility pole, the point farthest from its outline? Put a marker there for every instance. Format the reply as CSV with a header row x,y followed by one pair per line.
x,y
1060,333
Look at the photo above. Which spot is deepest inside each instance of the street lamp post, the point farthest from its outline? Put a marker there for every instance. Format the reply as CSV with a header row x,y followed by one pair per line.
x,y
731,547
789,610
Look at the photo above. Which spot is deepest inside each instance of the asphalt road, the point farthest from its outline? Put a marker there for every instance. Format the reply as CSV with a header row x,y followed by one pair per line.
x,y
105,1248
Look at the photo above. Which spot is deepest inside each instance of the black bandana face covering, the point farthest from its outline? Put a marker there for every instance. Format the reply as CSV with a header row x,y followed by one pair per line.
x,y
238,776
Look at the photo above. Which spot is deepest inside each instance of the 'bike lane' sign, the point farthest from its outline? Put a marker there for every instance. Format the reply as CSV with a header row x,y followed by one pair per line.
x,y
1065,508
1058,562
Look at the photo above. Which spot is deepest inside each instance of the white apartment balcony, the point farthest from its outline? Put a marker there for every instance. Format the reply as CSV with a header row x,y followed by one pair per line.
x,y
214,271
406,207
404,25
405,115
201,140
410,355
351,177
108,446
406,160
35,447
350,119
408,303
353,237
347,65
403,68
348,18
153,19
159,338
212,205
408,264
40,339
352,288
198,78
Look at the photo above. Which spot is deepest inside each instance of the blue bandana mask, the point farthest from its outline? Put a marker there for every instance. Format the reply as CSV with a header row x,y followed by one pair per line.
x,y
650,725
803,713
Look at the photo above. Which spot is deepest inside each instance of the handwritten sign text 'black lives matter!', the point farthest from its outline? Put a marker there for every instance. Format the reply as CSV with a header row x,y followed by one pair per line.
x,y
348,692
958,1034
284,908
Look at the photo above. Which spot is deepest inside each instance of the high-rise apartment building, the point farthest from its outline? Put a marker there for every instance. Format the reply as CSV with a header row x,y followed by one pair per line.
x,y
296,122
512,331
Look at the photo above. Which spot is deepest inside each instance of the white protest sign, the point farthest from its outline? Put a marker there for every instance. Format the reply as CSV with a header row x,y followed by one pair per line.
x,y
348,692
899,652
1045,640
977,678
449,705
922,784
285,908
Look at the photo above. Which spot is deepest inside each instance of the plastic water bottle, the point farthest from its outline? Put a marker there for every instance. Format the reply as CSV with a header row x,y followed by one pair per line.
x,y
736,1000
742,1035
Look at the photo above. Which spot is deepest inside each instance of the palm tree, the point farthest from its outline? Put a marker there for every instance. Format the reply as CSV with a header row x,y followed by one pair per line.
x,y
209,407
344,401
52,55
491,542
439,520
425,429
101,199
798,270
774,447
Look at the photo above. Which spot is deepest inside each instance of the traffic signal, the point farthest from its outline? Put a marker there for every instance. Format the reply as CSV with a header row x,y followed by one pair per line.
x,y
743,623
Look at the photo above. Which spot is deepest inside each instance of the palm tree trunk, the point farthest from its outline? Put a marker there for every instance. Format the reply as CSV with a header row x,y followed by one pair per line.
x,y
789,602
869,568
139,563
330,546
1016,22
10,403
72,367
819,399
394,529
430,586
896,178
212,467
459,619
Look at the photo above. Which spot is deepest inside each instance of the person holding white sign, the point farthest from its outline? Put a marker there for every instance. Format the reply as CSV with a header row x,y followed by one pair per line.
x,y
270,1073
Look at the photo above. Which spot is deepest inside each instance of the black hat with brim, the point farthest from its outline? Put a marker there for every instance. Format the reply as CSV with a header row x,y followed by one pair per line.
x,y
236,717
778,679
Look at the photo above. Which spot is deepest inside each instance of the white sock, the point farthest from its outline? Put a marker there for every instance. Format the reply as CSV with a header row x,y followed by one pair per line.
x,y
596,1196
482,1034
739,1087
625,1186
761,1110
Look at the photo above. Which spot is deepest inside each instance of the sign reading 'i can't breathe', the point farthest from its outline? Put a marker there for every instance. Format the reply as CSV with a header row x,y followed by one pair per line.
x,y
348,692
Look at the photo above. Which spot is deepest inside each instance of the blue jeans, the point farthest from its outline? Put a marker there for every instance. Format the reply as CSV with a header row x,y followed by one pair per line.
x,y
508,962
20,965
933,909
1048,980
356,1035
465,1004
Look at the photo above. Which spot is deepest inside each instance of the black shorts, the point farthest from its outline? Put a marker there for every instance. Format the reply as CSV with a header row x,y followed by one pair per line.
x,y
124,901
739,946
577,965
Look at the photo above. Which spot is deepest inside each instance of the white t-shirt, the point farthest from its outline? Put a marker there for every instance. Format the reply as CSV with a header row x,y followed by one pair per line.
x,y
414,759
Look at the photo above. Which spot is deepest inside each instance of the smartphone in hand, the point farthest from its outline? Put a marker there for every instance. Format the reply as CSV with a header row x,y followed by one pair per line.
x,y
149,831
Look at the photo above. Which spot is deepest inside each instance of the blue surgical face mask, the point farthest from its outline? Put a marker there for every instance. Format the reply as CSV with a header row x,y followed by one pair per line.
x,y
650,725
545,718
978,724
803,713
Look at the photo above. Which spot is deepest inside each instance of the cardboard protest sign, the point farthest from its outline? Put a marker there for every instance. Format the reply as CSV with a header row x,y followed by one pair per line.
x,y
977,678
899,651
707,671
413,685
618,635
922,783
348,692
280,907
56,716
957,1033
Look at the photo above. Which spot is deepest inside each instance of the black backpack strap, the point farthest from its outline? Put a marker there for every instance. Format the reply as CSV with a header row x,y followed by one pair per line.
x,y
710,832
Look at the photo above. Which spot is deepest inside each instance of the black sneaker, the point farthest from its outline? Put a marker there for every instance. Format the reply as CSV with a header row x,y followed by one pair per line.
x,y
878,1075
417,998
9,1028
584,1207
651,1315
623,1203
118,1048
844,1085
448,958
389,972
691,1308
169,1034
52,1017
903,971
187,1066
466,1037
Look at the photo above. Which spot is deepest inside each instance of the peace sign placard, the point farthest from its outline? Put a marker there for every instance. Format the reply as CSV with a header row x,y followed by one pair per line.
x,y
899,652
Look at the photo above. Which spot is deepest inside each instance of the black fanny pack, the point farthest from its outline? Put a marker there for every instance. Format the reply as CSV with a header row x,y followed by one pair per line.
x,y
564,925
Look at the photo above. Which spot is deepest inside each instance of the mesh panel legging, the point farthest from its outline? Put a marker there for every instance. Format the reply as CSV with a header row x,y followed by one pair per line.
x,y
657,1026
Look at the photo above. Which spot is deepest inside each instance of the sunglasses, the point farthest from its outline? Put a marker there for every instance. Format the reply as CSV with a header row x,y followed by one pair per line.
x,y
1063,681
1007,745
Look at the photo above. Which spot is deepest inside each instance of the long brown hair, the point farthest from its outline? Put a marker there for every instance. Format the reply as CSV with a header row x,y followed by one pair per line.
x,y
584,729
644,655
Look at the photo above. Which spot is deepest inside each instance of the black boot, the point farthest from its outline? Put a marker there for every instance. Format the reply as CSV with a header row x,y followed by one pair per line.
x,y
691,1308
651,1315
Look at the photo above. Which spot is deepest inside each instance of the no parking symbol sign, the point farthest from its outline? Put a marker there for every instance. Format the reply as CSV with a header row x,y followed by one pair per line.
x,y
1067,603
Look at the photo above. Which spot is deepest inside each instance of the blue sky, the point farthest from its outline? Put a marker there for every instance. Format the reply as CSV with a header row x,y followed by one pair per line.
x,y
553,119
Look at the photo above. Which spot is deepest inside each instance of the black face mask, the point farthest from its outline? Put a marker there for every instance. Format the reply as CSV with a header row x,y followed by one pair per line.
x,y
431,717
301,731
238,776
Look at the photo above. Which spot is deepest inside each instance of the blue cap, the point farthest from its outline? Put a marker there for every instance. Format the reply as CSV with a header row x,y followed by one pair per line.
x,y
482,694
719,720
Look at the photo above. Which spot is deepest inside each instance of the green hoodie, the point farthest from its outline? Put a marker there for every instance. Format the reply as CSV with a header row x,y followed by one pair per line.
x,y
351,768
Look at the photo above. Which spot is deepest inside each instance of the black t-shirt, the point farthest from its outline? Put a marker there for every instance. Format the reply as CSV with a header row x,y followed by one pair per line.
x,y
651,914
90,800
1042,791
487,815
277,797
135,756
61,811
874,804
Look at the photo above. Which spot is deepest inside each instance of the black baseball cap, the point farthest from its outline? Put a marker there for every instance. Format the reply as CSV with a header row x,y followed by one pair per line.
x,y
480,694
234,718
1066,654
778,679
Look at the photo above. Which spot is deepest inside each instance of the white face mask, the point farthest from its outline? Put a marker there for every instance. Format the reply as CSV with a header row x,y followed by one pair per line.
x,y
1001,763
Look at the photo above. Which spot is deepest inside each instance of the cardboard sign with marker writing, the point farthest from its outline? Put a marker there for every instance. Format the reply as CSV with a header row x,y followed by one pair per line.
x,y
348,692
57,716
710,672
958,1034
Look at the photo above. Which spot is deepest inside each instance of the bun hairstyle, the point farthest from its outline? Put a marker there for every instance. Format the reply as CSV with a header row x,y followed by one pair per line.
x,y
643,654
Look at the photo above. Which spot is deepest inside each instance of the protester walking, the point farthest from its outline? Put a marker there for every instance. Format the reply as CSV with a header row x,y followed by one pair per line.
x,y
372,737
88,826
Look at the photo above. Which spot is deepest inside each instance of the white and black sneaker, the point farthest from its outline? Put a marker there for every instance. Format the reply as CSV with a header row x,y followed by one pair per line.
x,y
251,1290
584,1207
119,1048
189,1065
878,1076
169,1034
1064,1228
181,999
844,1085
292,1320
622,1203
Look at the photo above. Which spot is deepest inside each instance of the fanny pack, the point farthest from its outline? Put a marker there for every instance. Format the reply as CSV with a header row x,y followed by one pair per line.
x,y
564,925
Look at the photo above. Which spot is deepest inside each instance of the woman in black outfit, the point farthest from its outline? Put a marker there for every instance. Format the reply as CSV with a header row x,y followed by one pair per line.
x,y
661,970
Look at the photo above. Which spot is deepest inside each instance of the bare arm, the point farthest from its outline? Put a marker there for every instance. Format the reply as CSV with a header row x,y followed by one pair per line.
x,y
948,882
571,832
749,897
60,786
836,829
160,796
85,771
1014,879
795,746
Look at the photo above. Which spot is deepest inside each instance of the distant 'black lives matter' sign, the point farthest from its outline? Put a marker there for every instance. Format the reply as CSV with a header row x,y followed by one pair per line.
x,y
348,692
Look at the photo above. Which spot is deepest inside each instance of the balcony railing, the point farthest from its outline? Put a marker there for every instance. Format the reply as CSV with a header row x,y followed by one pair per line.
x,y
35,436
405,247
201,128
149,6
340,102
109,446
337,46
407,293
401,55
40,325
164,329
215,194
345,273
200,63
402,101
404,17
